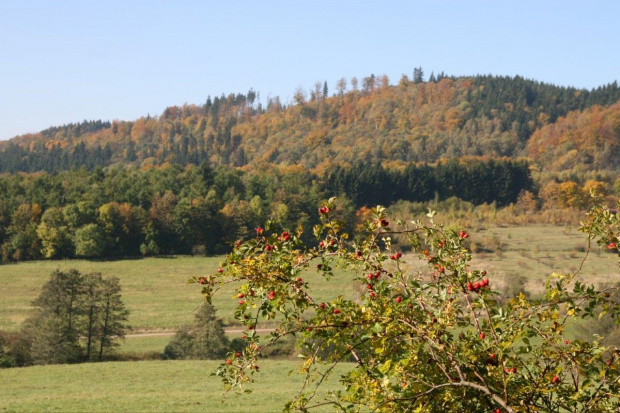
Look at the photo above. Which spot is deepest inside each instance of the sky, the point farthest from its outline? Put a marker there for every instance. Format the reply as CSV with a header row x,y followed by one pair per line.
x,y
67,61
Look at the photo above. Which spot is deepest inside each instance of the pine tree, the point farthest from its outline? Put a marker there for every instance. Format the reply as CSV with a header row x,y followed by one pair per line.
x,y
113,315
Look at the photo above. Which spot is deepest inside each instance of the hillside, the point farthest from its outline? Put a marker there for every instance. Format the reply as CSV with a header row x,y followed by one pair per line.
x,y
412,121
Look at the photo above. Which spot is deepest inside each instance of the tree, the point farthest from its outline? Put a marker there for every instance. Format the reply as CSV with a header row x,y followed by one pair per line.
x,y
113,315
431,337
56,322
72,307
205,339
418,75
90,241
341,86
54,234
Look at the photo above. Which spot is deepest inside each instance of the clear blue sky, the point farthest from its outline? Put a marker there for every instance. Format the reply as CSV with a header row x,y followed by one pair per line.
x,y
66,61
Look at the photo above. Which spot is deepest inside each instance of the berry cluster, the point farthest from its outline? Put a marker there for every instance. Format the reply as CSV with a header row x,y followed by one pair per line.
x,y
477,286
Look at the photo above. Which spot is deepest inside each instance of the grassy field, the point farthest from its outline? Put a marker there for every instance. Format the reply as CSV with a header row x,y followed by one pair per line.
x,y
180,386
535,252
155,290
156,293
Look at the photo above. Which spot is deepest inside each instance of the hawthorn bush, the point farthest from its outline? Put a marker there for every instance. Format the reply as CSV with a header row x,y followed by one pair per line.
x,y
434,337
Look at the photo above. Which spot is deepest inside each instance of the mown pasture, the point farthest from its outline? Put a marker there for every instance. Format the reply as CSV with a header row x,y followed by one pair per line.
x,y
179,386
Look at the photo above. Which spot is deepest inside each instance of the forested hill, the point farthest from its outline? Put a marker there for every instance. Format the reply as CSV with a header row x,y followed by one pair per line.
x,y
370,120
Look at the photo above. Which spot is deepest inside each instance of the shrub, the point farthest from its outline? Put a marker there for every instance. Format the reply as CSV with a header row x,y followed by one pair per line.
x,y
205,339
435,340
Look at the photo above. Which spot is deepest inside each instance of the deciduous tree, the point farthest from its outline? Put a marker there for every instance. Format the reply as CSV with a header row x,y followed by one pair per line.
x,y
428,336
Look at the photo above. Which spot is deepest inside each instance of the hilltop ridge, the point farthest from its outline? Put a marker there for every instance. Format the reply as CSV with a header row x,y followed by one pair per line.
x,y
370,120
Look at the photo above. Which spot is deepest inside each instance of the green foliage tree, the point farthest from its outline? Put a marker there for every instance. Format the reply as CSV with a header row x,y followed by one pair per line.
x,y
77,316
54,234
89,241
205,339
112,320
428,337
57,321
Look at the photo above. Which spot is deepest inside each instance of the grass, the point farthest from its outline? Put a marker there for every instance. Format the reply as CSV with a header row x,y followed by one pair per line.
x,y
535,252
180,386
155,290
158,297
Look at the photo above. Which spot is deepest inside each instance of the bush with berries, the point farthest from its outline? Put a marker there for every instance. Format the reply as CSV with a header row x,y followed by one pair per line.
x,y
436,337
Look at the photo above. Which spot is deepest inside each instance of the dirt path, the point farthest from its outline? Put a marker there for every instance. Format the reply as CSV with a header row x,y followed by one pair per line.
x,y
234,330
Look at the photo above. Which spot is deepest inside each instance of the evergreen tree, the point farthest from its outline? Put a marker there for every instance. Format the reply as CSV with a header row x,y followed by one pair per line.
x,y
112,316
56,322
205,339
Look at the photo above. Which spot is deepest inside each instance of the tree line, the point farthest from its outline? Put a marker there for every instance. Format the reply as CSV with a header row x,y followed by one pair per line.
x,y
129,212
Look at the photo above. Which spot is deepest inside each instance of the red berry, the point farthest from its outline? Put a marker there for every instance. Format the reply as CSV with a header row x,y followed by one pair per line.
x,y
259,231
372,294
309,329
319,266
369,286
567,342
399,299
238,354
434,320
482,336
384,223
492,355
555,379
612,246
514,369
299,280
336,311
463,235
271,295
241,295
228,362
322,305
220,270
241,302
244,336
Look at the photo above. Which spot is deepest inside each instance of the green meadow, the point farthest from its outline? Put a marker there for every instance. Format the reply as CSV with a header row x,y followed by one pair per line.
x,y
156,292
179,386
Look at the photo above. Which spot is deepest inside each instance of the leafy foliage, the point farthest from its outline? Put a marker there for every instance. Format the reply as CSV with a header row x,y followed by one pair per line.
x,y
432,336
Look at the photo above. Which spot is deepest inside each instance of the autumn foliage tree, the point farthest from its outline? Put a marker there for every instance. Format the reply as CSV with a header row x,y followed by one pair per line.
x,y
427,336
